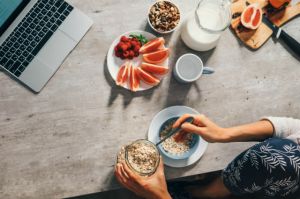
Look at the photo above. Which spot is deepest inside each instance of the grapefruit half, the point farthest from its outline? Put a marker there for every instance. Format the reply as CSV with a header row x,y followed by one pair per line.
x,y
252,16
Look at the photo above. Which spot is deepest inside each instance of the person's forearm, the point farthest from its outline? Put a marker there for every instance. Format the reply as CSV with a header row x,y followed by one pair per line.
x,y
250,132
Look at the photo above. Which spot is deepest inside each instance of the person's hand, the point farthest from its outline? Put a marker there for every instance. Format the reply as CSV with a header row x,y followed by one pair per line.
x,y
152,187
204,127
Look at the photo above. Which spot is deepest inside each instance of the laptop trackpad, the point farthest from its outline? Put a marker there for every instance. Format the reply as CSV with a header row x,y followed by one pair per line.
x,y
56,50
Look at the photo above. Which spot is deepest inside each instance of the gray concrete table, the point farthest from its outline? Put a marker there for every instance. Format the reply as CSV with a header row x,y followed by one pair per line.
x,y
63,141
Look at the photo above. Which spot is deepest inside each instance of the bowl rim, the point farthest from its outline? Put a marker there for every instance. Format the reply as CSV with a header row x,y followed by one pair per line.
x,y
169,31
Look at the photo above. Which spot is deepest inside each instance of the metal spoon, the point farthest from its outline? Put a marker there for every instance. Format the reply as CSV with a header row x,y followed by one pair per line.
x,y
173,131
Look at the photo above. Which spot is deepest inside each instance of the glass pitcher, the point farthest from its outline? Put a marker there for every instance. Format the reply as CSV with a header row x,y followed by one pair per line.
x,y
202,29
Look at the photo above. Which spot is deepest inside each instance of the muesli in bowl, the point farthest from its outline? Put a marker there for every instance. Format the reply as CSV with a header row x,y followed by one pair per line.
x,y
141,156
164,17
181,145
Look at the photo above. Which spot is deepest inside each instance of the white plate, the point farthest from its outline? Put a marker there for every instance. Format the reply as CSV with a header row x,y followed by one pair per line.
x,y
159,119
114,63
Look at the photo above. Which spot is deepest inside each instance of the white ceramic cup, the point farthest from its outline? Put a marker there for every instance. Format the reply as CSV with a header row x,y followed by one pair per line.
x,y
189,68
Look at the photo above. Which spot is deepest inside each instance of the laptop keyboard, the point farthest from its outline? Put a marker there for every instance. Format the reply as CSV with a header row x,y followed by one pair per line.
x,y
32,33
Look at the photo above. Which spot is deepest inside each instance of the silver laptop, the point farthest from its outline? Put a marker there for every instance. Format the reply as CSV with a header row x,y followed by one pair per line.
x,y
36,36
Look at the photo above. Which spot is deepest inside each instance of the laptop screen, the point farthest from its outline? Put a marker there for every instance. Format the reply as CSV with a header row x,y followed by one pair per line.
x,y
9,10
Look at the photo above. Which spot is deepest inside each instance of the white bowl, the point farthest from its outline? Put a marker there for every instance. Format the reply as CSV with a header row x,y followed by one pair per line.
x,y
165,32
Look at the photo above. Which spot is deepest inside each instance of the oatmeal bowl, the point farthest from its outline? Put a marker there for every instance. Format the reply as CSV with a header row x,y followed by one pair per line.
x,y
176,154
181,145
141,156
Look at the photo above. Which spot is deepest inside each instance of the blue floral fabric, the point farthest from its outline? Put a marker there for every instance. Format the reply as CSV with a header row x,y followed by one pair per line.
x,y
270,169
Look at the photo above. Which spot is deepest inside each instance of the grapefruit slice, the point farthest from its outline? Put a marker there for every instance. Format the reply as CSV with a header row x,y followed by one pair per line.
x,y
122,75
156,57
156,69
152,45
134,80
252,16
146,77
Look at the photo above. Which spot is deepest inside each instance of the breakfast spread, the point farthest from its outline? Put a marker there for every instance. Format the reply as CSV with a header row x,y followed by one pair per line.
x,y
164,16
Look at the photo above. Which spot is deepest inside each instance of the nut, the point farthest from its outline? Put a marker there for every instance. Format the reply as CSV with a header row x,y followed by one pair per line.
x,y
164,16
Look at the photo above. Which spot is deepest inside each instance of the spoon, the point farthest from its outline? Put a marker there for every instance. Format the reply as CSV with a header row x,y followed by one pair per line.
x,y
173,131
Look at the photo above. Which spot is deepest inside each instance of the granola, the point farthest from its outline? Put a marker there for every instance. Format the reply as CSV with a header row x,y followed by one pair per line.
x,y
164,16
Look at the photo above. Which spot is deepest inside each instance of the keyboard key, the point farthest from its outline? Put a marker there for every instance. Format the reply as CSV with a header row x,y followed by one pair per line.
x,y
9,44
53,9
9,64
58,3
16,45
12,50
33,44
5,48
56,15
32,25
62,17
22,67
13,39
29,20
14,67
62,7
26,42
20,40
17,73
25,24
44,12
52,20
37,39
25,53
70,8
22,47
29,58
45,29
18,52
34,33
24,64
41,34
14,57
8,55
54,27
30,38
41,6
38,28
25,34
3,61
42,23
40,16
2,53
42,43
21,58
46,18
21,29
48,25
49,14
29,48
47,6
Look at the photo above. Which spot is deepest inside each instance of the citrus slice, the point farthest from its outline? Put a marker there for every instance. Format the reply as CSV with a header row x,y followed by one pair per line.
x,y
146,77
156,57
252,16
156,69
122,74
134,80
152,45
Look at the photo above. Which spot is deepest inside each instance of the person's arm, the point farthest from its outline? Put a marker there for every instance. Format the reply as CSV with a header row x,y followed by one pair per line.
x,y
286,128
211,132
152,187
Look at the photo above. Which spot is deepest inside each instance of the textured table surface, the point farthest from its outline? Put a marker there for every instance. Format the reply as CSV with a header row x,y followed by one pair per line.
x,y
63,141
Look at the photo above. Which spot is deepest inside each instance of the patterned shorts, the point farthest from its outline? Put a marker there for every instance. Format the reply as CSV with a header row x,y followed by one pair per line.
x,y
269,169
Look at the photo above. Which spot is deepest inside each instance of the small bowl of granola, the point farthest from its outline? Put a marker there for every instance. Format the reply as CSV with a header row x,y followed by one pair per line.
x,y
164,17
141,156
181,145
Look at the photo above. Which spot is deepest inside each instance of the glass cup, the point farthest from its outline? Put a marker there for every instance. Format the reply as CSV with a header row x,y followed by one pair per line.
x,y
202,29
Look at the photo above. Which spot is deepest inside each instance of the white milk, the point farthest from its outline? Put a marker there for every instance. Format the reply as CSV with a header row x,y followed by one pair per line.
x,y
197,38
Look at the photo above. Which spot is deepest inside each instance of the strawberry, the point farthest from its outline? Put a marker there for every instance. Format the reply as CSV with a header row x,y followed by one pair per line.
x,y
136,49
126,54
124,47
131,53
124,39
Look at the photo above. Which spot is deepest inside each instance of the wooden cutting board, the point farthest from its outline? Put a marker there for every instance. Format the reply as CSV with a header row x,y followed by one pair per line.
x,y
254,39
